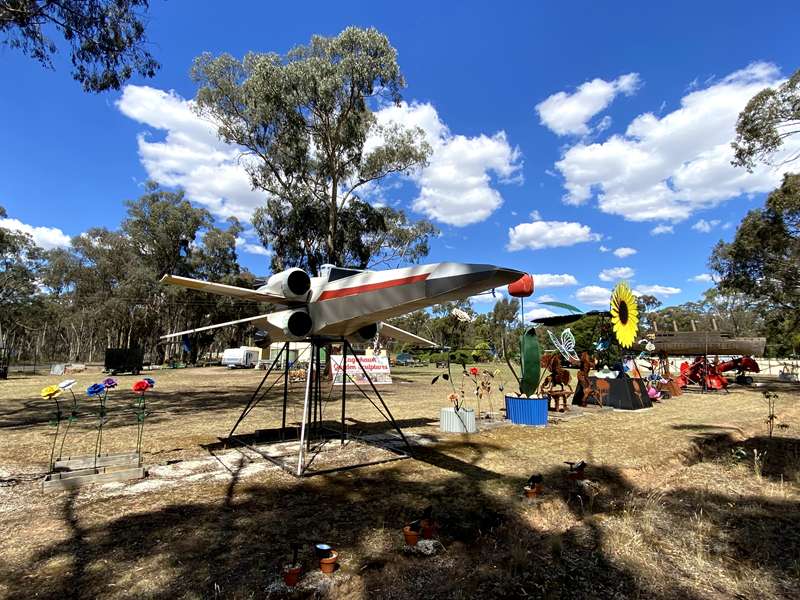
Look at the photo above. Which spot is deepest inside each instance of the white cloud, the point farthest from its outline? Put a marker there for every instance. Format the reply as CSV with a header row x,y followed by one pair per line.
x,y
251,248
703,277
616,273
704,226
658,290
604,249
594,295
190,155
546,298
569,114
624,252
548,234
667,167
662,229
535,216
538,313
45,237
548,280
456,186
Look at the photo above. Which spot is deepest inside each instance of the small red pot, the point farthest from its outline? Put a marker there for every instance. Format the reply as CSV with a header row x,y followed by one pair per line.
x,y
291,575
328,565
412,537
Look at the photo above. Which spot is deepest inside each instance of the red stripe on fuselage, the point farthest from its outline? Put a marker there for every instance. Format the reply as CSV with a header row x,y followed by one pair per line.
x,y
371,287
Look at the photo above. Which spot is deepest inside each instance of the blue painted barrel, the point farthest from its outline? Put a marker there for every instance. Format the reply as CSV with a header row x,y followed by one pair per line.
x,y
527,411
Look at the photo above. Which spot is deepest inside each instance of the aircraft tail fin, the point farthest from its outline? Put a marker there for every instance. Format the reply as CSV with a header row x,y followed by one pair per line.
x,y
260,321
222,289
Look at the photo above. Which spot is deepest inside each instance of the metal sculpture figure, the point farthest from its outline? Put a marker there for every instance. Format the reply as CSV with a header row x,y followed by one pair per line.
x,y
592,387
565,345
557,376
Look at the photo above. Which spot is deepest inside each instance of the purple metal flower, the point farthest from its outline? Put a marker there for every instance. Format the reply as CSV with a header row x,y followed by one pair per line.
x,y
110,383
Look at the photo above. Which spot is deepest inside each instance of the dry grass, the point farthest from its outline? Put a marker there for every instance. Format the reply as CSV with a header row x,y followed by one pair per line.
x,y
676,507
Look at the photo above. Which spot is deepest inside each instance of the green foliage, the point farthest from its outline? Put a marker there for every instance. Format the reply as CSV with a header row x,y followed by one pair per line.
x,y
103,291
763,261
482,352
305,117
20,265
106,37
769,118
366,236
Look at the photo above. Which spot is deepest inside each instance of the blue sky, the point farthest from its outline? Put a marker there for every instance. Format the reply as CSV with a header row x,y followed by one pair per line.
x,y
561,132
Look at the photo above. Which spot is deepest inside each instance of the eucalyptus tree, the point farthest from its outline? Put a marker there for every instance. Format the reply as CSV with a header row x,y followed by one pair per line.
x,y
771,116
306,122
106,37
20,263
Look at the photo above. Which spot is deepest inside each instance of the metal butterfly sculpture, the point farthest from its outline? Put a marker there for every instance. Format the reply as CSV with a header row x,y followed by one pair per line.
x,y
566,345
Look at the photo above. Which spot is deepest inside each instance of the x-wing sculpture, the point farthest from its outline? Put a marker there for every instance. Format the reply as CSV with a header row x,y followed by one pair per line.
x,y
348,306
351,304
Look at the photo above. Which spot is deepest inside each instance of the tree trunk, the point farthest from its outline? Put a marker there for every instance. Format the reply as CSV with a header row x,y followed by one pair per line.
x,y
332,223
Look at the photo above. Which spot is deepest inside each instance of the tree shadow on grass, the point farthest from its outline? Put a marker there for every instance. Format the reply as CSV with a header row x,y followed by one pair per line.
x,y
235,544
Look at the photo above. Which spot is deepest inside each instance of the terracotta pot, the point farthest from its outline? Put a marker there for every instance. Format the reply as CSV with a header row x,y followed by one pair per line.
x,y
428,529
533,492
328,565
412,537
291,575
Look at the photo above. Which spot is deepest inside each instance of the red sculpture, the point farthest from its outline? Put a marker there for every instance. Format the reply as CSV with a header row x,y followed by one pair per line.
x,y
710,375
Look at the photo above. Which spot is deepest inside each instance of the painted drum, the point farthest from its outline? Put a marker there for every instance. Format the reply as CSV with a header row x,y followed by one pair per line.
x,y
522,287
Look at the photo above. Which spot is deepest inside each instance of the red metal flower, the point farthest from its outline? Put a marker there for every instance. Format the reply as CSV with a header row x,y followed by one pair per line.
x,y
473,370
141,386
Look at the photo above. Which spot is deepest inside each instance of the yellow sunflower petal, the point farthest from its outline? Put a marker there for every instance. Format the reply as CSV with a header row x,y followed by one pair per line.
x,y
622,296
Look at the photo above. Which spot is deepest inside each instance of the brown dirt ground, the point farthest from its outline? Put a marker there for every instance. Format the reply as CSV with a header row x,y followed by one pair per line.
x,y
689,499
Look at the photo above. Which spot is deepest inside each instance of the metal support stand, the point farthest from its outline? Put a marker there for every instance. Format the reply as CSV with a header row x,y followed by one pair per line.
x,y
344,386
312,423
378,394
251,404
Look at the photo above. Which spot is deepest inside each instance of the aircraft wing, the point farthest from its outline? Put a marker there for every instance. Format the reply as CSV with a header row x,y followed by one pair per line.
x,y
404,336
260,321
222,289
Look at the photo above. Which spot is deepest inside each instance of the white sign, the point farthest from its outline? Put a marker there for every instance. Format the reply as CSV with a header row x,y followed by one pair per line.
x,y
376,366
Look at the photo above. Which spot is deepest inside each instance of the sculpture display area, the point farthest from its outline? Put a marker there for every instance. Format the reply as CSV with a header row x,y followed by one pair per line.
x,y
617,381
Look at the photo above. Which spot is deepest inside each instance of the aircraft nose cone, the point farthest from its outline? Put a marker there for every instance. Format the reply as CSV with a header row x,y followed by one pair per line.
x,y
509,275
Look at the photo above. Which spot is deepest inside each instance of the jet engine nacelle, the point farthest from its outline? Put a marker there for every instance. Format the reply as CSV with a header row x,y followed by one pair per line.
x,y
261,339
364,334
291,283
296,324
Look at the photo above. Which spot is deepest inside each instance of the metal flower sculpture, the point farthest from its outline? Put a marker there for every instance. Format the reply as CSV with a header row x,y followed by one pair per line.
x,y
624,314
52,392
95,389
140,387
109,383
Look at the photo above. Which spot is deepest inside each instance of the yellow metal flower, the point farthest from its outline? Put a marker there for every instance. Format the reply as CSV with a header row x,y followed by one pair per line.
x,y
624,314
51,391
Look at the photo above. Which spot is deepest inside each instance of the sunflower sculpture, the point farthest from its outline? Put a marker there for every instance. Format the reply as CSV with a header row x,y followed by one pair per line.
x,y
624,314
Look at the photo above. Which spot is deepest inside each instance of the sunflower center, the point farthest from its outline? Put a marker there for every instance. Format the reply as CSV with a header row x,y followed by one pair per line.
x,y
623,313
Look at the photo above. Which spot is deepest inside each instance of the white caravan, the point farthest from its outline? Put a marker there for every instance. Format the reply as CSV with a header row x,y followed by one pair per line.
x,y
241,358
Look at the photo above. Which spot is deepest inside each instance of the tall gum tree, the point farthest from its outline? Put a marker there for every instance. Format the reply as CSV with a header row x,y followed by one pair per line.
x,y
306,123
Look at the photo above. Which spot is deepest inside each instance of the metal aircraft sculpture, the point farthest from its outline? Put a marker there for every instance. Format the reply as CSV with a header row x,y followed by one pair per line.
x,y
351,304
